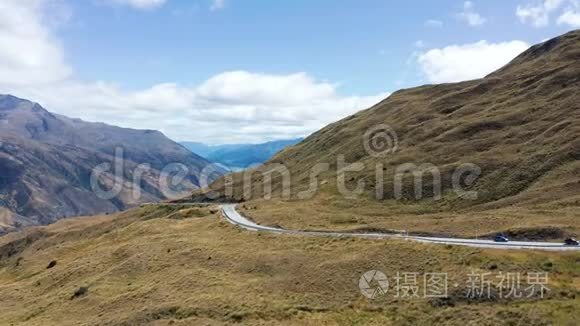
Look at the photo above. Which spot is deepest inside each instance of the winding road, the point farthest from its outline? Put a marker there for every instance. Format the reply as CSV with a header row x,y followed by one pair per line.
x,y
232,216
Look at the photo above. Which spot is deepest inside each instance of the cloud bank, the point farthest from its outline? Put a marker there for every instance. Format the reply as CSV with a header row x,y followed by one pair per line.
x,y
139,4
231,107
539,14
456,63
470,16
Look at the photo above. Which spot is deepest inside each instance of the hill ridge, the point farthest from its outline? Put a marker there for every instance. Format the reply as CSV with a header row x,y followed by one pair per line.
x,y
517,124
47,161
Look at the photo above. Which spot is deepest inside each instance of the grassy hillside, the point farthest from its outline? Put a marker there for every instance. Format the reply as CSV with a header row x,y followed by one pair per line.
x,y
518,127
162,265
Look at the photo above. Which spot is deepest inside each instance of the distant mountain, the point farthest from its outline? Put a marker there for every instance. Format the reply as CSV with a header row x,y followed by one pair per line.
x,y
46,161
240,156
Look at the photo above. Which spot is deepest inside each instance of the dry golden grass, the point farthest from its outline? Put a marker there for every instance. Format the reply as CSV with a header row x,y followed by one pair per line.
x,y
519,125
326,212
184,266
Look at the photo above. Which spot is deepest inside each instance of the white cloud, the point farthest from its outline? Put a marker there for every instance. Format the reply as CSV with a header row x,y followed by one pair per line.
x,y
273,90
570,17
420,44
538,14
140,4
470,16
469,61
217,5
28,52
433,23
236,106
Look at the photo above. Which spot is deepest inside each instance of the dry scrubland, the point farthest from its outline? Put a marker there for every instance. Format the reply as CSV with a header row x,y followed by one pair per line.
x,y
162,265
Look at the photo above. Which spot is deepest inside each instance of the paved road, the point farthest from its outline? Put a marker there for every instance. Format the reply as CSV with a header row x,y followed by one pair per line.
x,y
236,218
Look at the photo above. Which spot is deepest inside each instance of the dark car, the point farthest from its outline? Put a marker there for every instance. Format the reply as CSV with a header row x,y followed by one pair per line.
x,y
571,242
501,238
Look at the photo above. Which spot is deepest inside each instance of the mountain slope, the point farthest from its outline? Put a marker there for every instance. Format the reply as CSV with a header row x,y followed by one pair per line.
x,y
240,156
520,126
171,265
46,161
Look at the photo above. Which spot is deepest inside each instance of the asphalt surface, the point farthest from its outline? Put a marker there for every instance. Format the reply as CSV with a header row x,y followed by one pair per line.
x,y
230,213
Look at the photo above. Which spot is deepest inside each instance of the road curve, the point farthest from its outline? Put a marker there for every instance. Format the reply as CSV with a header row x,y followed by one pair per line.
x,y
232,216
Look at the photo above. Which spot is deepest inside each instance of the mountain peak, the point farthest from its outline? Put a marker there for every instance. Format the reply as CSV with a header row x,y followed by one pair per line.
x,y
548,55
557,45
10,102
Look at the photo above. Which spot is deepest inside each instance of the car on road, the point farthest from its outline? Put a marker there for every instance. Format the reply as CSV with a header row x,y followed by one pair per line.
x,y
501,238
571,242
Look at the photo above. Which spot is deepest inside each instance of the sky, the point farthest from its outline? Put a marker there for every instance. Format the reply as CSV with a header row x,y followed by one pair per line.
x,y
248,71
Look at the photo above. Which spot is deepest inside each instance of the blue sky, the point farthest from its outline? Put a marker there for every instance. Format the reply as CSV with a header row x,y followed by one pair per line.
x,y
263,69
364,45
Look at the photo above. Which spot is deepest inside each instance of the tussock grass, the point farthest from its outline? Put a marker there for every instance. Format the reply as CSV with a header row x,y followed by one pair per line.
x,y
142,267
331,213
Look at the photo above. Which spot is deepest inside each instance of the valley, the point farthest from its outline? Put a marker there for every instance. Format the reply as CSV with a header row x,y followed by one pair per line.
x,y
237,157
223,162
54,167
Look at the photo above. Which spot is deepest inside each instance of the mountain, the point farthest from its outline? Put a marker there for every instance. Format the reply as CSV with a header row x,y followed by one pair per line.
x,y
200,149
240,156
46,161
518,129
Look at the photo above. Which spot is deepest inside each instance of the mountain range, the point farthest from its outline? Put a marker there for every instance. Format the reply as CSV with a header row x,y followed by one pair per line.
x,y
46,162
240,156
